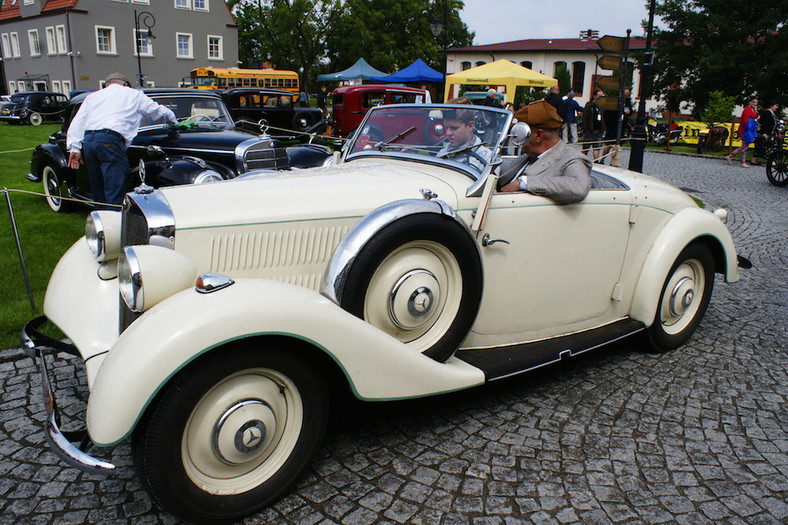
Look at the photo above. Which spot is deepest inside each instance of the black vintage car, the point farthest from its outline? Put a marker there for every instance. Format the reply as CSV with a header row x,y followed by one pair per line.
x,y
33,107
279,108
205,147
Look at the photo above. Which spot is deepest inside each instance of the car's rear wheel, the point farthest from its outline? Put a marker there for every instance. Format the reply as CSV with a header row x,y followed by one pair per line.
x,y
230,433
419,280
53,188
684,298
777,168
35,118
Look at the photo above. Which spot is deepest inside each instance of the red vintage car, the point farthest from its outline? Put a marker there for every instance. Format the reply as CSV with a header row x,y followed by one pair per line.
x,y
351,103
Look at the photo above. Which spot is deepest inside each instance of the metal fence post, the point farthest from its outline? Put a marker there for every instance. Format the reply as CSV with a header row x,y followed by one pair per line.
x,y
19,251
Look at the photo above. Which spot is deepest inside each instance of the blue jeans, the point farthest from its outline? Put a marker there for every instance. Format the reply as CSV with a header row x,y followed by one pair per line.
x,y
105,156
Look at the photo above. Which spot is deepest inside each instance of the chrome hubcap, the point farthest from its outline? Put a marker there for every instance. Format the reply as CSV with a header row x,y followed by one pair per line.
x,y
243,430
681,296
412,299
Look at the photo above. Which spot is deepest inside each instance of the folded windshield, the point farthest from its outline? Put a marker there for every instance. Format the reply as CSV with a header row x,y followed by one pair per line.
x,y
464,135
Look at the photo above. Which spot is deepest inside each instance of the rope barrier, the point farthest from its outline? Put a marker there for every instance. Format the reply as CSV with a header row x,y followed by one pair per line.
x,y
17,150
39,194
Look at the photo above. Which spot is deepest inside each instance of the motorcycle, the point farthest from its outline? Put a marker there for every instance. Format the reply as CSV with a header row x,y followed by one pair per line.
x,y
658,132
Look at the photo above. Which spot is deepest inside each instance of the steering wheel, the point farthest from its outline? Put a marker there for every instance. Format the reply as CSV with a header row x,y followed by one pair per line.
x,y
199,117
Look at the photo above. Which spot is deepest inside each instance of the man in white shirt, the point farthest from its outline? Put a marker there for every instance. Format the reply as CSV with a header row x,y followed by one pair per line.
x,y
101,132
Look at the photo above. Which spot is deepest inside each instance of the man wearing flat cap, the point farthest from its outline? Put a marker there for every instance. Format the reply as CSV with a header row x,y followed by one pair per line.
x,y
547,167
101,132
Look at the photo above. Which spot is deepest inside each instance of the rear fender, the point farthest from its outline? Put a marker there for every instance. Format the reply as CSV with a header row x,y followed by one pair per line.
x,y
47,151
187,325
687,226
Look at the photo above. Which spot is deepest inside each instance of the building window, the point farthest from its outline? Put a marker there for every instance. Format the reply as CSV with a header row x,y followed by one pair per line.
x,y
140,2
35,45
201,5
558,65
215,48
15,51
146,49
480,63
183,4
184,45
105,40
56,86
6,46
51,43
465,66
527,63
578,77
67,87
62,44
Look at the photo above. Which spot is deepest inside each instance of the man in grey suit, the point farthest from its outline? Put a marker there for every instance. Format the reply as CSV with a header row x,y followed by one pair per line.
x,y
547,167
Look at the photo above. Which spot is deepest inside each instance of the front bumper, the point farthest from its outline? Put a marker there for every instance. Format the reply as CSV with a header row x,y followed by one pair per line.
x,y
69,446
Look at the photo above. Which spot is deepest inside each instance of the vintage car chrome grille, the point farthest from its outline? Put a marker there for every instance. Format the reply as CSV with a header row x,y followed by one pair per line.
x,y
260,155
295,256
146,219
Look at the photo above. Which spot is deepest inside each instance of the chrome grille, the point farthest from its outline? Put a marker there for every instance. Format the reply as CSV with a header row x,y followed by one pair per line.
x,y
261,155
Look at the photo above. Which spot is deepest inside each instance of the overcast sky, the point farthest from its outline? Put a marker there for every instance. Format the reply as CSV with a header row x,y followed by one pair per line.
x,y
506,20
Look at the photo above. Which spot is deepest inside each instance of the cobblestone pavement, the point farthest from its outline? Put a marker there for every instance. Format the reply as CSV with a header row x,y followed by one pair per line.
x,y
698,435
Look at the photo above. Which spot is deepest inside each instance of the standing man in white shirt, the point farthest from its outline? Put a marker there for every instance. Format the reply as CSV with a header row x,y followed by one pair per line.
x,y
102,130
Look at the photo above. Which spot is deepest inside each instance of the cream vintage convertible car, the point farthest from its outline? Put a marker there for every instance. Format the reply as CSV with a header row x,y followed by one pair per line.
x,y
213,318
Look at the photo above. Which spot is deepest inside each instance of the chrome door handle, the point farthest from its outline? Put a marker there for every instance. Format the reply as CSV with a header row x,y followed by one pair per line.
x,y
486,240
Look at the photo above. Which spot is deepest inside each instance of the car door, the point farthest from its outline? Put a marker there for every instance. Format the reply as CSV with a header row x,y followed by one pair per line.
x,y
560,270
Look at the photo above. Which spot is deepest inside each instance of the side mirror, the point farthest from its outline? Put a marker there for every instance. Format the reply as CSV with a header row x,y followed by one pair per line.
x,y
520,133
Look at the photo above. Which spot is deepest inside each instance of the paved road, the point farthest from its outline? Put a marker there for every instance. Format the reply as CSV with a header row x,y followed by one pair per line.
x,y
699,435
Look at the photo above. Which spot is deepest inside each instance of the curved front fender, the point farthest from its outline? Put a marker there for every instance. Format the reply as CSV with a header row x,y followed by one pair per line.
x,y
188,324
688,225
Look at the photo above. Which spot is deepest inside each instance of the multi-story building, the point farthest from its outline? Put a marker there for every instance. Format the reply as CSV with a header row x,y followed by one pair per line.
x,y
61,45
544,55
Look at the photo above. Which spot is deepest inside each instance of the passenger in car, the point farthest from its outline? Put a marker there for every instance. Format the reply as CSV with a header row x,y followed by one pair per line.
x,y
547,167
462,143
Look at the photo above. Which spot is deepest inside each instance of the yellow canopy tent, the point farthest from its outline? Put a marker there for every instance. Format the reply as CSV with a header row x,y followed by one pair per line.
x,y
499,73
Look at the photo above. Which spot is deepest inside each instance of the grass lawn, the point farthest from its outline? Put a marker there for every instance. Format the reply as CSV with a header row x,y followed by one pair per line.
x,y
43,234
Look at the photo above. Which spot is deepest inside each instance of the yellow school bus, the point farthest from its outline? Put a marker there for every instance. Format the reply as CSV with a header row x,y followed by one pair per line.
x,y
233,77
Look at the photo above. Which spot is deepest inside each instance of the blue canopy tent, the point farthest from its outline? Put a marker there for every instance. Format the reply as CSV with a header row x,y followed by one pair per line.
x,y
360,70
416,72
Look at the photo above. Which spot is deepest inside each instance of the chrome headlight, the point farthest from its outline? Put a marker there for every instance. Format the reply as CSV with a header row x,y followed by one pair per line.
x,y
149,274
130,280
102,233
207,176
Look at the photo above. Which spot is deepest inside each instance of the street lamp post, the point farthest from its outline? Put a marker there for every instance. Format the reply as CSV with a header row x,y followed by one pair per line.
x,y
146,19
437,28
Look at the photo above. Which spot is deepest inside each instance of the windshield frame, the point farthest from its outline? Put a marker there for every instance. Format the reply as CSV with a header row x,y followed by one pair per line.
x,y
502,117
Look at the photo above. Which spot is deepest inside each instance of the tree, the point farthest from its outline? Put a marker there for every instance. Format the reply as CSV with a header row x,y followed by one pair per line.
x,y
289,34
710,45
391,34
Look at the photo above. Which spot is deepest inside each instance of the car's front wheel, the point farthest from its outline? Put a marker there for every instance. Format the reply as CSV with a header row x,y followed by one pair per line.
x,y
35,118
419,280
302,122
684,298
53,188
230,433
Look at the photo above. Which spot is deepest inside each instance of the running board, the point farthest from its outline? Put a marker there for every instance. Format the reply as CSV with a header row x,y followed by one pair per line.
x,y
507,361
